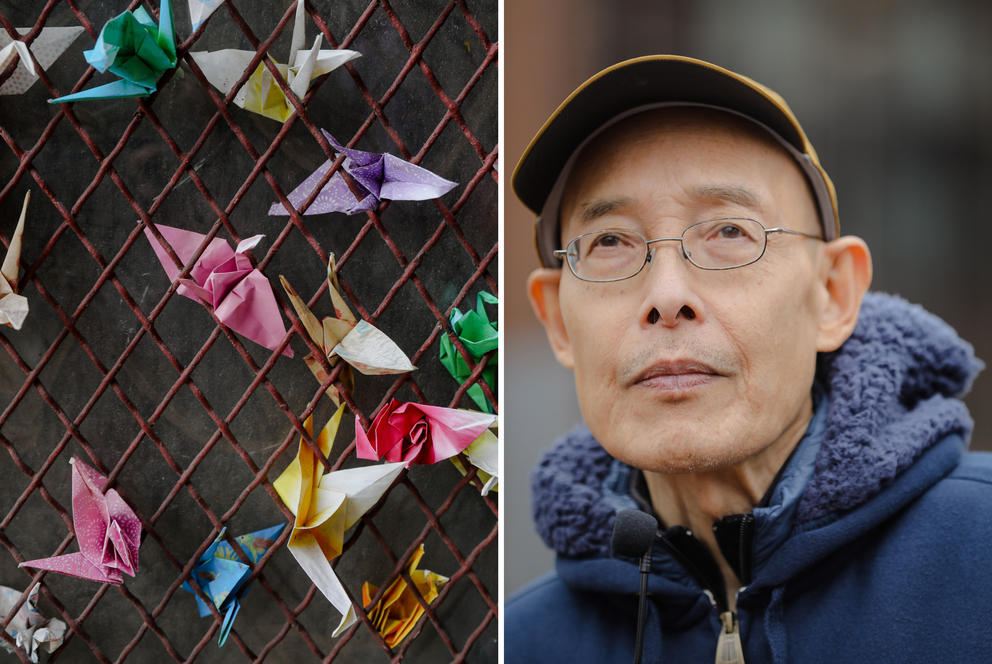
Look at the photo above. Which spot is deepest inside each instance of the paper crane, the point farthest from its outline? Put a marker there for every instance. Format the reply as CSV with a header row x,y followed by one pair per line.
x,y
326,505
32,632
225,280
479,336
359,343
107,530
398,611
261,93
131,46
221,574
13,307
46,48
378,175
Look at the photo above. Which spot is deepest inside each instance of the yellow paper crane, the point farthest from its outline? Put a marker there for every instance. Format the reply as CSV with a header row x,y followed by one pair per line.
x,y
398,611
13,307
326,505
261,93
359,343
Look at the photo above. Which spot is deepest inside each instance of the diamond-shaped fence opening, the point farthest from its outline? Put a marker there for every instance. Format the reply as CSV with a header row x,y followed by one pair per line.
x,y
192,422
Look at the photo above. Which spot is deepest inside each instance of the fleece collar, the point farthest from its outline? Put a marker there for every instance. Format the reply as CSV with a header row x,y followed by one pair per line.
x,y
893,390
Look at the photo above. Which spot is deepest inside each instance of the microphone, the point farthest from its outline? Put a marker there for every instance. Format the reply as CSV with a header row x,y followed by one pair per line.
x,y
633,534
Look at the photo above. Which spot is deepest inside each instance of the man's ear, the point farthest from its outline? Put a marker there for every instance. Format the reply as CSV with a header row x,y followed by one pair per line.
x,y
846,277
542,286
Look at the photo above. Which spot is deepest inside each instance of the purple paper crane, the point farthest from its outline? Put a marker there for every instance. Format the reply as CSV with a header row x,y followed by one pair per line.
x,y
379,175
107,530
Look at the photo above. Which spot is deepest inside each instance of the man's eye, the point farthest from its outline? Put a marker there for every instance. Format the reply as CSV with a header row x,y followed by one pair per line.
x,y
608,240
730,232
607,245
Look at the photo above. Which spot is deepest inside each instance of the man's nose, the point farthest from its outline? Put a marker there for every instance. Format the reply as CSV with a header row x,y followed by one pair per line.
x,y
670,297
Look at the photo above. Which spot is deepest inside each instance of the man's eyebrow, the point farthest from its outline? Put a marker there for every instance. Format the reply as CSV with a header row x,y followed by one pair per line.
x,y
595,209
728,193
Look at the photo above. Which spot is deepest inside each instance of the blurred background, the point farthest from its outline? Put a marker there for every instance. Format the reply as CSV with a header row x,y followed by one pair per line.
x,y
895,96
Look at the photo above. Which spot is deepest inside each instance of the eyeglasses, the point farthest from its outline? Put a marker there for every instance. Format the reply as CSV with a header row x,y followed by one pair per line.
x,y
716,244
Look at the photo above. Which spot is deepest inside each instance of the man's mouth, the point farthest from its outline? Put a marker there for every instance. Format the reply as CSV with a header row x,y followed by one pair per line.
x,y
676,375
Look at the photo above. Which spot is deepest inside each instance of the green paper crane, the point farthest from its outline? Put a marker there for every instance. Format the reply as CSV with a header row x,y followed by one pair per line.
x,y
479,336
135,49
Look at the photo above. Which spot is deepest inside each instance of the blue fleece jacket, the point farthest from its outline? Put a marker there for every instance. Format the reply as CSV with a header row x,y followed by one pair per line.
x,y
873,547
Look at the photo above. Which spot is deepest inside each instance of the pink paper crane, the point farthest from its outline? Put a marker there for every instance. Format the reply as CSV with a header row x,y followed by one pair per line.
x,y
107,530
224,279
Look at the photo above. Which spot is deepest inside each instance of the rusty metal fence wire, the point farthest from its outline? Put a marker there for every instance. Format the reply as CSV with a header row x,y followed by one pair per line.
x,y
192,422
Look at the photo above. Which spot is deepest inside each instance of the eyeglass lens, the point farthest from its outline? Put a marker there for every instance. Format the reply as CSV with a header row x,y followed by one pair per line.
x,y
716,244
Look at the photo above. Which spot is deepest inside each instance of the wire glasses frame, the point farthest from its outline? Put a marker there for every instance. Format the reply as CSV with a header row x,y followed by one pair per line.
x,y
725,243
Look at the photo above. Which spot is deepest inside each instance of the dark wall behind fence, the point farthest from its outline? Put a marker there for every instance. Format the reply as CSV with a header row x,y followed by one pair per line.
x,y
897,101
191,421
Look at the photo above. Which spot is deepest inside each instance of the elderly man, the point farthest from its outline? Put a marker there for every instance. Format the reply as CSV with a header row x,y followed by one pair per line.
x,y
800,443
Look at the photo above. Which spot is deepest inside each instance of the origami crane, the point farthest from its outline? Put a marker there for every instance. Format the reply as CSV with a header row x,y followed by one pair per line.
x,y
135,49
32,632
107,529
47,46
326,505
221,574
359,343
483,453
261,93
200,10
479,336
398,611
417,433
13,307
378,175
225,280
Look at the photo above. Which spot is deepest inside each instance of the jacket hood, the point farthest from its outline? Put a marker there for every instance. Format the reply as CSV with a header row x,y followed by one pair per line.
x,y
893,389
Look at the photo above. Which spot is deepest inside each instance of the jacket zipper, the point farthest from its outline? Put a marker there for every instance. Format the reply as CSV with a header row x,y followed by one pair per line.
x,y
729,648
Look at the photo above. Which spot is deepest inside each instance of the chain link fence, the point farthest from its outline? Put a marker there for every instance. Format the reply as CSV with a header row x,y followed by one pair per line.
x,y
191,422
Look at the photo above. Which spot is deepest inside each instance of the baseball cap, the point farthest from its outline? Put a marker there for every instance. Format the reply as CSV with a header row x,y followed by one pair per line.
x,y
646,83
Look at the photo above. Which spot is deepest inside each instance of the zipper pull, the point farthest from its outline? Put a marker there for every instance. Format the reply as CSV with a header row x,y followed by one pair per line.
x,y
728,646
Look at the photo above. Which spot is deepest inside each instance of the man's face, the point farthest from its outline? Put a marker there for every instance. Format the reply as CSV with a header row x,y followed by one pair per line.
x,y
680,369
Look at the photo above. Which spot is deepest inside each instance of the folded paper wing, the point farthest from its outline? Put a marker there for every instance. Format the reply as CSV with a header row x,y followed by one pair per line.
x,y
224,279
326,505
359,343
107,530
200,10
13,307
396,614
370,351
221,573
46,48
483,453
136,49
379,176
261,93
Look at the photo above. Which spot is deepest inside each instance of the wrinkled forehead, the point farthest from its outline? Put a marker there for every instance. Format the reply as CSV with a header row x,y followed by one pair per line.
x,y
595,159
